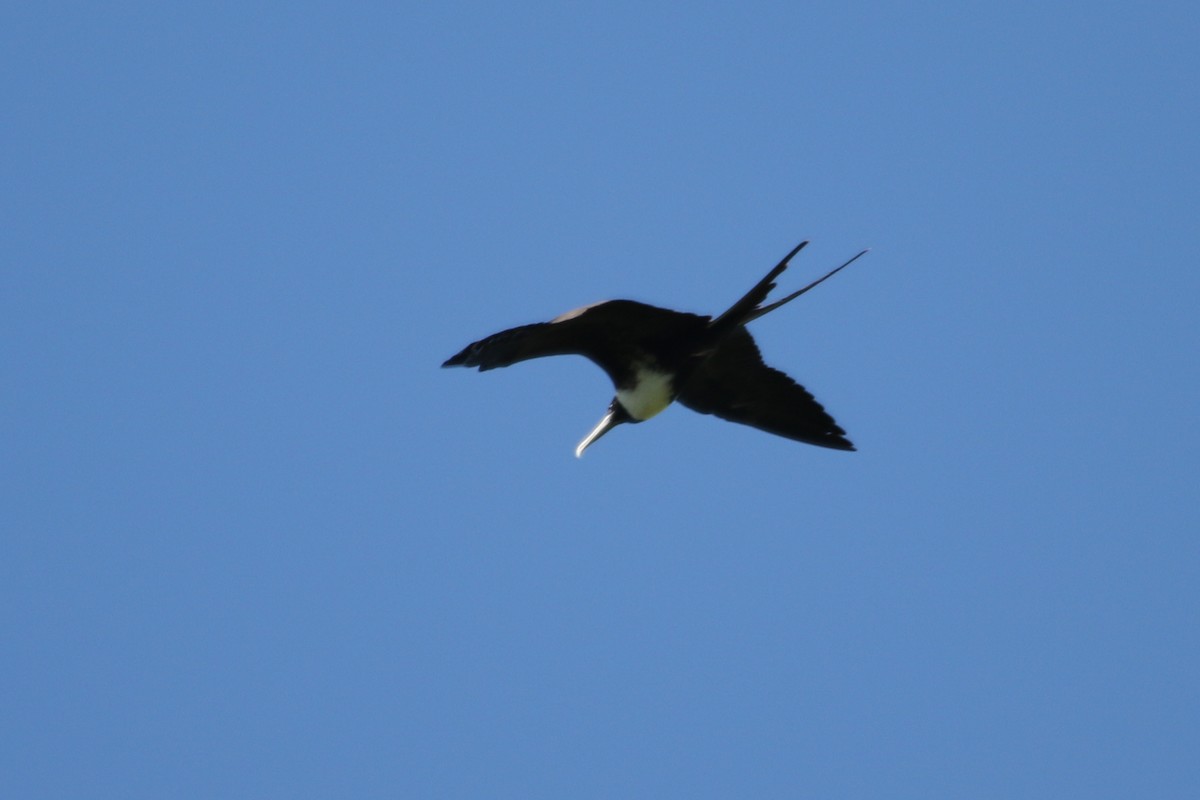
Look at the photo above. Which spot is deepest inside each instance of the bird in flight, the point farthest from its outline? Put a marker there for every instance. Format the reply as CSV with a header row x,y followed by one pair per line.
x,y
655,356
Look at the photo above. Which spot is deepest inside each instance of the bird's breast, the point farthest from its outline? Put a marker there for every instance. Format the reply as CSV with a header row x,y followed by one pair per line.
x,y
650,392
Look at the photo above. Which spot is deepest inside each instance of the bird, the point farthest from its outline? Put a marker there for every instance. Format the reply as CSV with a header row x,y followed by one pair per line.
x,y
655,356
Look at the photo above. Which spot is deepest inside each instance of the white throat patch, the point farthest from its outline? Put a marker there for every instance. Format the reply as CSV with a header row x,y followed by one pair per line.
x,y
651,393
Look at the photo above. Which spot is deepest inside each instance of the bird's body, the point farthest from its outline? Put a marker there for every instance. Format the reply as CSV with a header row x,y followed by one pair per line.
x,y
655,356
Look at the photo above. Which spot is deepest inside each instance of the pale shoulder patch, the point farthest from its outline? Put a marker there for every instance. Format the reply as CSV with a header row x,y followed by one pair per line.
x,y
576,312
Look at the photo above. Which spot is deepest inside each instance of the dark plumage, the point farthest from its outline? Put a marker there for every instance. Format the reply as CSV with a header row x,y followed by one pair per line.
x,y
656,355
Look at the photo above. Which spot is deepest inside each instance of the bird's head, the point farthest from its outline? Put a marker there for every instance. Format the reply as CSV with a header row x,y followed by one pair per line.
x,y
615,416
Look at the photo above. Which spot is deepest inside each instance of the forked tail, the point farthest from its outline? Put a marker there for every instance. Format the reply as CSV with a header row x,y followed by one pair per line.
x,y
761,310
749,308
739,311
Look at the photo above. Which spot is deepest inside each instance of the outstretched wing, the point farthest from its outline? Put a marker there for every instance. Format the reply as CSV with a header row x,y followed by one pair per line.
x,y
734,384
510,346
615,335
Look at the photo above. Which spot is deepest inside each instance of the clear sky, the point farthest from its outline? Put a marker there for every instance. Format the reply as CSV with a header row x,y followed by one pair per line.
x,y
257,544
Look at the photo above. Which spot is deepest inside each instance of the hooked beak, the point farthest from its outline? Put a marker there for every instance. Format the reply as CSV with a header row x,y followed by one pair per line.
x,y
605,425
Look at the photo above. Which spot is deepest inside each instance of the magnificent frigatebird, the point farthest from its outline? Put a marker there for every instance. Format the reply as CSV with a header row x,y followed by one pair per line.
x,y
656,355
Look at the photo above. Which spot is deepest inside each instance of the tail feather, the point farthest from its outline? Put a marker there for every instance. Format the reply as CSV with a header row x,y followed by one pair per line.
x,y
762,310
741,312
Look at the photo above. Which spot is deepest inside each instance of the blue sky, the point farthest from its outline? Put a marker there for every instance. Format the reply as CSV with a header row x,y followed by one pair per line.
x,y
257,544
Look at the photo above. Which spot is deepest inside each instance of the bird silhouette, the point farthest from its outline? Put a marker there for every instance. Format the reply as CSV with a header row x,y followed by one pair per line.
x,y
656,355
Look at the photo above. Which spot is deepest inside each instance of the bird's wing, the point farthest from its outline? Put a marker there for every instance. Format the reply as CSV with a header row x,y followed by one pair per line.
x,y
734,384
510,346
613,334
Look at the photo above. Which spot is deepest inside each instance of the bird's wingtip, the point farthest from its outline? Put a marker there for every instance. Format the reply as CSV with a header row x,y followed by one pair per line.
x,y
459,359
